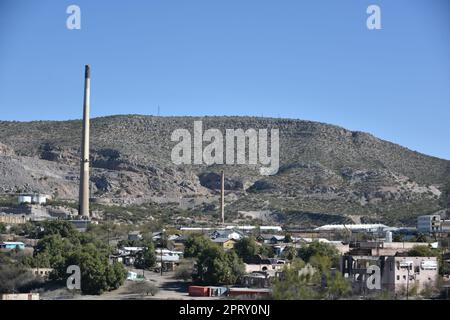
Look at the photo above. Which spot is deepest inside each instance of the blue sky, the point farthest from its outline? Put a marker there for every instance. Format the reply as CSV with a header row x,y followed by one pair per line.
x,y
313,60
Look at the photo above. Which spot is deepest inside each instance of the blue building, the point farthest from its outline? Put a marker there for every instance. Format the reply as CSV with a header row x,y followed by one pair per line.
x,y
12,245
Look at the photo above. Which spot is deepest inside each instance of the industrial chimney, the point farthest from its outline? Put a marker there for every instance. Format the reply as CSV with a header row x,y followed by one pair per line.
x,y
222,196
83,208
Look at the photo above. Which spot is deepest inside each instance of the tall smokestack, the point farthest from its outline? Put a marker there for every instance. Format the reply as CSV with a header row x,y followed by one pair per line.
x,y
222,196
83,208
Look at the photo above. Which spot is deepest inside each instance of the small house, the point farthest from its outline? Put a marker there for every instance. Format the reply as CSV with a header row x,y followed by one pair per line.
x,y
134,236
225,243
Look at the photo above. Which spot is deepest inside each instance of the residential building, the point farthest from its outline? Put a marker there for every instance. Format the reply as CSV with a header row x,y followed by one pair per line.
x,y
134,236
226,243
230,234
41,272
257,279
270,238
259,263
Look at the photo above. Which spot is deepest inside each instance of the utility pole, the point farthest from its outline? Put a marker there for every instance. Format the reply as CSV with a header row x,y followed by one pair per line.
x,y
407,285
161,262
222,196
162,245
107,224
143,267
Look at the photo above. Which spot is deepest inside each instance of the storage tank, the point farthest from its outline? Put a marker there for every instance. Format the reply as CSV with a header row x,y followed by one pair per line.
x,y
39,199
388,236
25,199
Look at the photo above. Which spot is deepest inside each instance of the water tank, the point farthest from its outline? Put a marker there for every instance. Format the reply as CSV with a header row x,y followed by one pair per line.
x,y
39,199
388,236
25,199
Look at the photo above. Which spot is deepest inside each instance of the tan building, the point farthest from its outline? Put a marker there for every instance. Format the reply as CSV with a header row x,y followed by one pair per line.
x,y
19,296
396,273
225,243
41,272
381,248
413,272
13,219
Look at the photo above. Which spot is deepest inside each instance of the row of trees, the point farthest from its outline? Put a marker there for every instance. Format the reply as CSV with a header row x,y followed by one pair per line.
x,y
213,264
61,245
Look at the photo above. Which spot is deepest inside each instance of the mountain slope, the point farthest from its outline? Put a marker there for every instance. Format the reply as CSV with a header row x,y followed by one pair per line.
x,y
325,171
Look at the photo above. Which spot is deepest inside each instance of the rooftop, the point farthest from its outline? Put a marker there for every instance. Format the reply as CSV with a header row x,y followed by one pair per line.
x,y
351,226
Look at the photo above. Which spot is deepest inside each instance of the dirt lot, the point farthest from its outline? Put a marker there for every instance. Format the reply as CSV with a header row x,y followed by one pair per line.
x,y
169,288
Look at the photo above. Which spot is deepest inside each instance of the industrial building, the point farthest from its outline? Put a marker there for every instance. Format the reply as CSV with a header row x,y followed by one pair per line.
x,y
32,198
400,273
429,223
370,228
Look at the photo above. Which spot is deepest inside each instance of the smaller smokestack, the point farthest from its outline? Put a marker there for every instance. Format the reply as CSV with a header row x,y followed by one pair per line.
x,y
222,196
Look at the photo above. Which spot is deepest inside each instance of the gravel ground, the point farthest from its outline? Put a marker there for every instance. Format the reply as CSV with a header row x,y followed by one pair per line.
x,y
169,288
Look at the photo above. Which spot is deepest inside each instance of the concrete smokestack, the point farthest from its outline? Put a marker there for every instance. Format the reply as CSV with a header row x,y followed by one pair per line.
x,y
83,208
222,196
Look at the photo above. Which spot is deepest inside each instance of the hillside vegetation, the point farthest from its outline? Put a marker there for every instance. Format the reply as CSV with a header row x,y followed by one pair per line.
x,y
327,173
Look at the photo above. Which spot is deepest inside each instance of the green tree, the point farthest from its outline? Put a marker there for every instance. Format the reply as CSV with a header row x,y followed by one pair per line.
x,y
287,238
246,248
97,275
115,275
421,238
53,248
321,263
423,251
147,257
337,286
292,285
194,245
214,266
58,252
208,262
266,251
41,229
316,248
2,228
236,268
398,237
289,253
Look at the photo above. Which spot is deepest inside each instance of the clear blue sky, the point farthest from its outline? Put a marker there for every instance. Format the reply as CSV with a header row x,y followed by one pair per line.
x,y
312,60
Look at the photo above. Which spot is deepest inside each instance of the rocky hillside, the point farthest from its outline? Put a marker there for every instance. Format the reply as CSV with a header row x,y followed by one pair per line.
x,y
326,172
